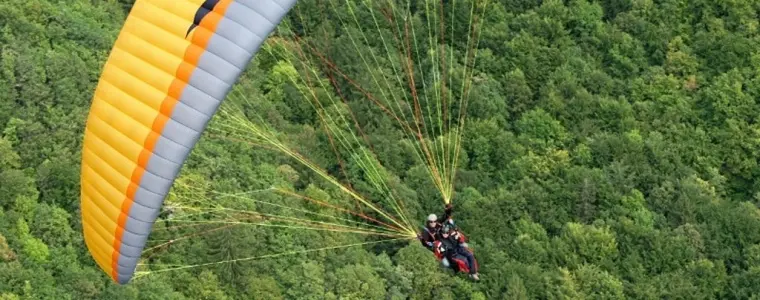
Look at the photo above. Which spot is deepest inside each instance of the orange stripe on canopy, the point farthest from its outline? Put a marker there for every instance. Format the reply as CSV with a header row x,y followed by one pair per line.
x,y
200,39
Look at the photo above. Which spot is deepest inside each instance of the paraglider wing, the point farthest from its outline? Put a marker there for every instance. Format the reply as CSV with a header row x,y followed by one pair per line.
x,y
169,70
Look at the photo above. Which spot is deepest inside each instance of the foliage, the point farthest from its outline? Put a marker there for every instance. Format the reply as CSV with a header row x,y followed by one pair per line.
x,y
611,152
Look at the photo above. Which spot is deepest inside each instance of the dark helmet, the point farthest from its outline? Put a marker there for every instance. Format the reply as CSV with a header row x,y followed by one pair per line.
x,y
447,228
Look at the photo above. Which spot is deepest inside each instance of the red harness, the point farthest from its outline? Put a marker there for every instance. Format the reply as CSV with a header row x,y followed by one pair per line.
x,y
439,251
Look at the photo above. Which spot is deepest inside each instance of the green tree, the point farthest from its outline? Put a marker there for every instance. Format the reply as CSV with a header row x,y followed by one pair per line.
x,y
206,286
359,282
598,284
264,288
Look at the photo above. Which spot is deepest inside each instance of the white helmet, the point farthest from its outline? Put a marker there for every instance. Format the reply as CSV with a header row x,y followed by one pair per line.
x,y
432,218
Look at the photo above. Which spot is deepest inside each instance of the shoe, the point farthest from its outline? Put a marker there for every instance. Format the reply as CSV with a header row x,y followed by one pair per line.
x,y
474,276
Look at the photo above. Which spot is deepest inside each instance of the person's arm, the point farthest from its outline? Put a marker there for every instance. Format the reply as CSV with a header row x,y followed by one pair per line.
x,y
446,213
425,240
424,243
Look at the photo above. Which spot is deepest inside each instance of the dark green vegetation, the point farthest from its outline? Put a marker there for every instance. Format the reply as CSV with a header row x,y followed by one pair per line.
x,y
611,152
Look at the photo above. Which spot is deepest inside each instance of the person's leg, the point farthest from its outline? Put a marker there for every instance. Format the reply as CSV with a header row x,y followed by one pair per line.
x,y
470,260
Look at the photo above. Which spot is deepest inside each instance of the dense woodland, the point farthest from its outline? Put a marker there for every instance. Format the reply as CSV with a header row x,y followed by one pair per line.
x,y
611,152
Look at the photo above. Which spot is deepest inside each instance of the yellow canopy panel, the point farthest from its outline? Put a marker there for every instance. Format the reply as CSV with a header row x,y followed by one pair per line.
x,y
172,65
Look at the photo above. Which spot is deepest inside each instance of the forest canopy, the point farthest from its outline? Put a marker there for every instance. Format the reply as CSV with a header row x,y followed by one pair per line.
x,y
591,149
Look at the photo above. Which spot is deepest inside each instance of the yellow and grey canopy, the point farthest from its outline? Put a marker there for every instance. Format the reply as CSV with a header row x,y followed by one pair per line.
x,y
171,67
